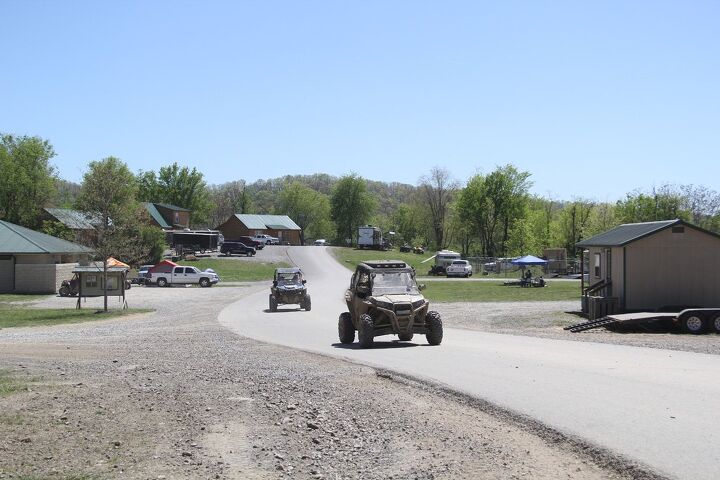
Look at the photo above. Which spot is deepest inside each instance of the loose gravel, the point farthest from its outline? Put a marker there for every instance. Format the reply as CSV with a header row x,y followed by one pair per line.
x,y
547,319
172,394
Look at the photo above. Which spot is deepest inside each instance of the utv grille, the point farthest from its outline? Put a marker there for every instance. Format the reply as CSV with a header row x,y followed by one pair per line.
x,y
403,309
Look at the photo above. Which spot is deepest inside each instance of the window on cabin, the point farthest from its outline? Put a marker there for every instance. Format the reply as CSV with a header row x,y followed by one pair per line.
x,y
91,281
597,265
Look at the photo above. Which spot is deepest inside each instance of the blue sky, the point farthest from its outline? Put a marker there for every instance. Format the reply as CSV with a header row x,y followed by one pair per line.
x,y
594,99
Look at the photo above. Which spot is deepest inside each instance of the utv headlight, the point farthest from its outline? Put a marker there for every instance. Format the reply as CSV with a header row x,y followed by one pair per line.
x,y
417,304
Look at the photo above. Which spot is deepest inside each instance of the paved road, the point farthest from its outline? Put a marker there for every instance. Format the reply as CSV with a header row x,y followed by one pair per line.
x,y
656,406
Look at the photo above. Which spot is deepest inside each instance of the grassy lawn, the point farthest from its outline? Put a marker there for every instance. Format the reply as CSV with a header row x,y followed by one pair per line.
x,y
20,316
462,291
9,384
18,297
351,257
232,270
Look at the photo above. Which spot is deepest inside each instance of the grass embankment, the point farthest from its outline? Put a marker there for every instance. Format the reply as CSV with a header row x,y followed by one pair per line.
x,y
463,291
235,270
21,315
350,257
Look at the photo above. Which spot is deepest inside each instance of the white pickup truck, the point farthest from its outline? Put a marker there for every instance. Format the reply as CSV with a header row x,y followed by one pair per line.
x,y
182,275
266,239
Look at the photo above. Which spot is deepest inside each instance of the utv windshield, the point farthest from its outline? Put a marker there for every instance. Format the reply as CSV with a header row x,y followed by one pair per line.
x,y
395,283
289,279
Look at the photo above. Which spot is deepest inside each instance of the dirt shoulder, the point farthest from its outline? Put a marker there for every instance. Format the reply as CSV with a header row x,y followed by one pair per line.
x,y
547,319
172,394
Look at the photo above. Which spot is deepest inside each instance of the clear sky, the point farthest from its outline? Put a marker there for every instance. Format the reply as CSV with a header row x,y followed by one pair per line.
x,y
594,99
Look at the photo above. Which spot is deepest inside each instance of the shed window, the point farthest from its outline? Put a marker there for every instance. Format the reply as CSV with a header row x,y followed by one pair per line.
x,y
597,265
91,281
112,283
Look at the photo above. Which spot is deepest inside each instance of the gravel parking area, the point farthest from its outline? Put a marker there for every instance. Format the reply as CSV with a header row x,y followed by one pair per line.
x,y
172,394
547,319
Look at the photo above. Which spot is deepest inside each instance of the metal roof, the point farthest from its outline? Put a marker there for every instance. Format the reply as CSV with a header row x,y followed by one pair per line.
x,y
288,270
155,214
172,207
261,222
15,239
72,219
626,233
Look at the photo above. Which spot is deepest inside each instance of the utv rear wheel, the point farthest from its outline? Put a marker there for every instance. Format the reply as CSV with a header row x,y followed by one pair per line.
x,y
64,291
434,326
306,303
346,329
366,331
273,304
405,337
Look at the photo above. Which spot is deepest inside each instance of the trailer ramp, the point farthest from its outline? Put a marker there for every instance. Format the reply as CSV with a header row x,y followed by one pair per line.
x,y
621,319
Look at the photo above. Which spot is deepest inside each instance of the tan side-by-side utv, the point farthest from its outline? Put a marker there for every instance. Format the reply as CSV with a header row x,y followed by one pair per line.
x,y
385,299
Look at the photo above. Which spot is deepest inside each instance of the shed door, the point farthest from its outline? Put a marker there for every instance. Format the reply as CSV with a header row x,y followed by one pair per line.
x,y
7,273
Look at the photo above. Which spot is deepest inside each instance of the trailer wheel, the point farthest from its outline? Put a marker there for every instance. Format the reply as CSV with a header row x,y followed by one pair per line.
x,y
715,324
693,323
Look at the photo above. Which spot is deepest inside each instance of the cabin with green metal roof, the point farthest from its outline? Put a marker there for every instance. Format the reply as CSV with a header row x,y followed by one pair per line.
x,y
243,224
33,262
168,217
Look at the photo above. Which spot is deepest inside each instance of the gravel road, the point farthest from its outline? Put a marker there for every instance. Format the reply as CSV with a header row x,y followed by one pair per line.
x,y
172,394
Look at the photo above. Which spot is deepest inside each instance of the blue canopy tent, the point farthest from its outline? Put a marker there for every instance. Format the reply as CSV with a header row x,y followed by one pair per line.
x,y
529,260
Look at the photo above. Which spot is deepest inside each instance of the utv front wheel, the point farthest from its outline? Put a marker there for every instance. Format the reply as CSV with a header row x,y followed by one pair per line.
x,y
346,329
273,304
433,324
366,331
308,303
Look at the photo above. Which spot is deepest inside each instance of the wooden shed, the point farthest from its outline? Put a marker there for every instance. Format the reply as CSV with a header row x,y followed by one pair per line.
x,y
280,226
648,266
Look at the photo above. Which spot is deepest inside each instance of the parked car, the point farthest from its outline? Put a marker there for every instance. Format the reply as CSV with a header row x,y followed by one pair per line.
x,y
183,275
459,268
228,248
320,242
266,239
251,243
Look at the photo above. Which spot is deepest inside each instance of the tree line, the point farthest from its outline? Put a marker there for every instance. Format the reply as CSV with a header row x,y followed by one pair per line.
x,y
490,214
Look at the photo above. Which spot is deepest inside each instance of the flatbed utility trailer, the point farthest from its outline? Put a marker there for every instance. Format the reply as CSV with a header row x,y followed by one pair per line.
x,y
690,320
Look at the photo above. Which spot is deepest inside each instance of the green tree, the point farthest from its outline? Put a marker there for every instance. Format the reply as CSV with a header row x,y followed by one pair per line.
x,y
492,204
178,186
27,180
573,222
350,206
108,192
438,190
227,200
661,203
57,229
306,207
